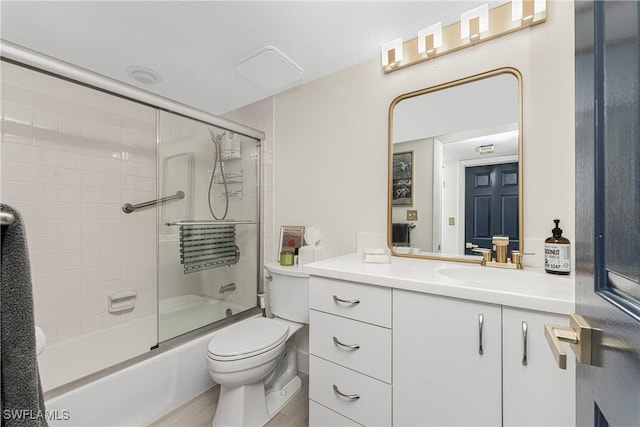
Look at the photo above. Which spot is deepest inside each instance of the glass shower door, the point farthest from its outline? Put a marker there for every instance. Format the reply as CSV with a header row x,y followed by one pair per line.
x,y
208,240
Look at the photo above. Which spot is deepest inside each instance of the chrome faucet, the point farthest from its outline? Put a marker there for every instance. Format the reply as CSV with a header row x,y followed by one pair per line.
x,y
500,243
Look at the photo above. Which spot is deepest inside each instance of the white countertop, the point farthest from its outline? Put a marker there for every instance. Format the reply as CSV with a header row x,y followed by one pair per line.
x,y
530,288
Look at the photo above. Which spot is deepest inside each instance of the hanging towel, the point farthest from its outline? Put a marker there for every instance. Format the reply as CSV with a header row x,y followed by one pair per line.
x,y
400,234
21,397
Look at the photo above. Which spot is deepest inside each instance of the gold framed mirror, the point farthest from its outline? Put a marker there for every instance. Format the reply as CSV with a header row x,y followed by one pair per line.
x,y
455,167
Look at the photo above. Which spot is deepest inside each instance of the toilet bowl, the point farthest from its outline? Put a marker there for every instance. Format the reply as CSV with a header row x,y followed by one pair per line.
x,y
254,360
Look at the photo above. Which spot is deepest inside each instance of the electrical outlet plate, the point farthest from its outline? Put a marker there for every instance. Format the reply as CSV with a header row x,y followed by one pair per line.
x,y
412,215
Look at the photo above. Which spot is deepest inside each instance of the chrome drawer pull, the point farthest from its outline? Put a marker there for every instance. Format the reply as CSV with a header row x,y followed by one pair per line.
x,y
480,325
337,342
345,301
345,396
524,341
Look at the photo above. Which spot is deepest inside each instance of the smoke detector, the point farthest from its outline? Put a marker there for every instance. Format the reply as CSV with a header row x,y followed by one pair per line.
x,y
143,75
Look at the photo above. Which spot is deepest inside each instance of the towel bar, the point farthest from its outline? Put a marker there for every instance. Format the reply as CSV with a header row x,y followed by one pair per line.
x,y
7,218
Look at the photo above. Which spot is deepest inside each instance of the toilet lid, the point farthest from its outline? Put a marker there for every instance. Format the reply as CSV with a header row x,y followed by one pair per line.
x,y
251,336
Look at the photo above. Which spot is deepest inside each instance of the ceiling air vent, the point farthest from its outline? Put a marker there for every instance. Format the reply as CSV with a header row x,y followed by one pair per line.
x,y
270,69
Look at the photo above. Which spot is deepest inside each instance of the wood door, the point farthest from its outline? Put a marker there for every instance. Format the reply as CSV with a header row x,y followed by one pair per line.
x,y
491,205
607,65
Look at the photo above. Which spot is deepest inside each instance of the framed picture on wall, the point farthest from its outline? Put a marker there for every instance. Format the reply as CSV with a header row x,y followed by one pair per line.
x,y
291,237
402,179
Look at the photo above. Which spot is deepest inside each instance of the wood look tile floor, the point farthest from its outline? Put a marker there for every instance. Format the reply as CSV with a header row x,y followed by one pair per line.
x,y
199,411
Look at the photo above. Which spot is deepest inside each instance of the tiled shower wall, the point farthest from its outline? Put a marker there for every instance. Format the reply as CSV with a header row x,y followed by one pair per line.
x,y
71,156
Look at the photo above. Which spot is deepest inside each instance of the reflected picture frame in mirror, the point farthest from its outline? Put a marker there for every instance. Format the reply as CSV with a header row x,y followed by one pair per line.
x,y
469,133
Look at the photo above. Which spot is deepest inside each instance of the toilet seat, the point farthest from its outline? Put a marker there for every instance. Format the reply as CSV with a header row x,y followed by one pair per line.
x,y
247,339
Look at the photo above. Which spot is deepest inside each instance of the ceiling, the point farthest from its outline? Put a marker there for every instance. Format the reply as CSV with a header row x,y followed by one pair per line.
x,y
195,45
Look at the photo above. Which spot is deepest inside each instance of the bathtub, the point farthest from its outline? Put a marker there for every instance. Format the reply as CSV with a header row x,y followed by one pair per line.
x,y
138,394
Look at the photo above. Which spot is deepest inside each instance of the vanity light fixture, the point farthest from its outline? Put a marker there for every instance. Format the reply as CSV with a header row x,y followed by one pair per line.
x,y
525,10
392,53
474,22
430,39
476,26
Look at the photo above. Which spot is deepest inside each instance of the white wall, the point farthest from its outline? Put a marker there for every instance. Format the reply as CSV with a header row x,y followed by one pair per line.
x,y
330,158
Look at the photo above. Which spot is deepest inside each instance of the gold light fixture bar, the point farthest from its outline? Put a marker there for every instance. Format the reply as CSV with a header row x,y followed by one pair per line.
x,y
501,19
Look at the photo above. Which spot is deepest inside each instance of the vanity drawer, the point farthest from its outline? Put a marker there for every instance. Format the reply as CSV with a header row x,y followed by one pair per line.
x,y
320,416
372,355
371,304
371,407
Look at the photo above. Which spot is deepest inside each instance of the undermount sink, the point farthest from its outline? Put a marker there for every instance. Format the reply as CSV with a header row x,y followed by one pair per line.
x,y
502,278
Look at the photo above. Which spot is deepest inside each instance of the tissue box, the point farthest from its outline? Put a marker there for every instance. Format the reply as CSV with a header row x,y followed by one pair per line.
x,y
376,255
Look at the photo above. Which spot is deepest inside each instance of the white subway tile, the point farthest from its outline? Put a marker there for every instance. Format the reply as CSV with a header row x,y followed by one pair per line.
x,y
69,227
92,274
15,113
91,259
20,191
69,328
69,125
128,269
46,317
43,228
70,160
43,246
91,163
69,261
110,180
112,256
44,281
110,165
91,290
111,226
89,323
128,182
45,101
70,210
70,176
91,195
17,95
91,227
111,271
45,120
69,311
111,195
69,108
93,306
91,243
110,287
91,211
69,295
112,211
67,193
46,299
18,153
69,278
45,175
17,134
71,244
129,168
45,156
45,193
16,75
18,172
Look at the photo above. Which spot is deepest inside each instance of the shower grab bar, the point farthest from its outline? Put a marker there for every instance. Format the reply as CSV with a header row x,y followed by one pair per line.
x,y
129,208
7,218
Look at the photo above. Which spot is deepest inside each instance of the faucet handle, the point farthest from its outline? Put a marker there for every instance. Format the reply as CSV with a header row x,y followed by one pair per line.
x,y
486,253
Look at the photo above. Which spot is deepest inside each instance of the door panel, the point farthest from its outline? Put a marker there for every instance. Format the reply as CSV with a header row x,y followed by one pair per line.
x,y
491,204
608,208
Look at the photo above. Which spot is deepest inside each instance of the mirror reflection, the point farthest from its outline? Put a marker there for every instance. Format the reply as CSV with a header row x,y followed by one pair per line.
x,y
454,179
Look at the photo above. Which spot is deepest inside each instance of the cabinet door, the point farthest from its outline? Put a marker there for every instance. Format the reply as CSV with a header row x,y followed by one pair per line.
x,y
446,369
536,391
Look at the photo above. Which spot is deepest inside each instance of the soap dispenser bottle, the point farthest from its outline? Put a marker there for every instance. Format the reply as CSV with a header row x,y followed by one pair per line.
x,y
557,252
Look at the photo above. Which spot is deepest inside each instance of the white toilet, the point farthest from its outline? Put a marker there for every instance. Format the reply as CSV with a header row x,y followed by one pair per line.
x,y
254,360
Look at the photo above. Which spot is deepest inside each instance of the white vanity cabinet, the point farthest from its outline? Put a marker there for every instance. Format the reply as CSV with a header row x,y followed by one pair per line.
x,y
440,378
349,353
535,391
446,361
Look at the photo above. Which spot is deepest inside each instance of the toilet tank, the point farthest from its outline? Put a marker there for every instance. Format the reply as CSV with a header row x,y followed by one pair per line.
x,y
288,292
